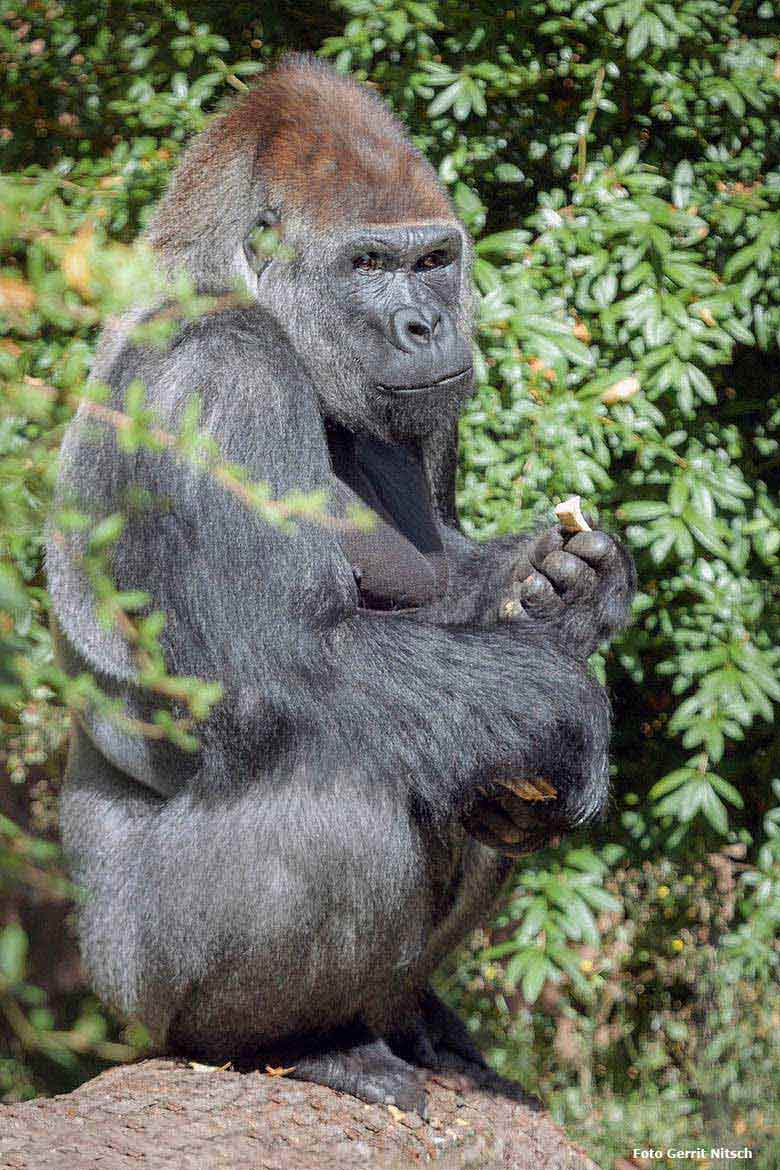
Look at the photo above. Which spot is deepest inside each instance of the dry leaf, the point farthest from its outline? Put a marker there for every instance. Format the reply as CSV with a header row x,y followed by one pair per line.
x,y
16,296
620,391
279,1072
76,266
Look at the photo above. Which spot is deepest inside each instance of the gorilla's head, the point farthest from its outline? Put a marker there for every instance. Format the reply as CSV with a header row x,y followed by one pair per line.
x,y
375,312
371,279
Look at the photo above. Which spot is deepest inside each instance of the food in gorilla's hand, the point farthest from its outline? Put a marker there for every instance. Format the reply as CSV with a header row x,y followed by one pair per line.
x,y
536,789
570,515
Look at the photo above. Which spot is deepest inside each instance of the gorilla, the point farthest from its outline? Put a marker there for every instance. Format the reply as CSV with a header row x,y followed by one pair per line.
x,y
286,891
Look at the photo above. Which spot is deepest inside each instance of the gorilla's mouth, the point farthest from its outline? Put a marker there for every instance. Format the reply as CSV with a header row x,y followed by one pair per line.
x,y
440,382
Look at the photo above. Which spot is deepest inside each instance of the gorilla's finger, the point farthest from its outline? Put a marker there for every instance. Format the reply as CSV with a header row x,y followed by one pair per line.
x,y
487,815
485,837
536,594
592,547
545,544
522,814
567,572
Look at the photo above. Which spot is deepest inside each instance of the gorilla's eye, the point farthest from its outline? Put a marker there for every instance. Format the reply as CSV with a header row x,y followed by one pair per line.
x,y
368,262
437,259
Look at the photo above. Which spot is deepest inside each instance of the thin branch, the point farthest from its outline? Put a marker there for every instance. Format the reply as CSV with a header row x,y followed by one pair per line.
x,y
582,142
33,1040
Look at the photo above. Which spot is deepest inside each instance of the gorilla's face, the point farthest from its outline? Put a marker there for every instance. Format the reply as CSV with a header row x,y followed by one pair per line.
x,y
381,321
404,283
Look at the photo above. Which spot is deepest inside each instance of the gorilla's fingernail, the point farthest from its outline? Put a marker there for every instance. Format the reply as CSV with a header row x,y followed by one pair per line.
x,y
533,584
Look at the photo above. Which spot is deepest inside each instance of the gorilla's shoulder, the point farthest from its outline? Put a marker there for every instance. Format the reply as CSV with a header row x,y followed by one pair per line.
x,y
217,339
240,326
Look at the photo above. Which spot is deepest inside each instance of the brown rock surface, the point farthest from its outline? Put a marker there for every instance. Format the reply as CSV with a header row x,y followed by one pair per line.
x,y
160,1115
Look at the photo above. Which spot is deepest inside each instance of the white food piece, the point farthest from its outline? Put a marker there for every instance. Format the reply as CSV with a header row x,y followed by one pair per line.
x,y
569,513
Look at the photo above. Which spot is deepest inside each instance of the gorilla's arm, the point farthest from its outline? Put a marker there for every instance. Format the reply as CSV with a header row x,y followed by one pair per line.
x,y
577,588
273,614
479,576
390,572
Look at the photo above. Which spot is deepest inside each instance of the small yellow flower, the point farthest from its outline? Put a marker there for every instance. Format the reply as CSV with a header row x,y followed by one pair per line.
x,y
586,966
678,945
663,891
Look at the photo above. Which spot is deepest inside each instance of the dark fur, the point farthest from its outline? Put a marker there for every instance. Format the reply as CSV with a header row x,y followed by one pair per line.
x,y
292,886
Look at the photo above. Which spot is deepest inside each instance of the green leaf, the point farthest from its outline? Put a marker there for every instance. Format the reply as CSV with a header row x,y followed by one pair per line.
x,y
536,972
534,920
637,39
13,596
637,510
509,173
512,244
13,953
715,811
107,531
446,99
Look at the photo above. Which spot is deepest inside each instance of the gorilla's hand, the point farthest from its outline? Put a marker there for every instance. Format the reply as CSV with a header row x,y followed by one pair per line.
x,y
507,817
579,585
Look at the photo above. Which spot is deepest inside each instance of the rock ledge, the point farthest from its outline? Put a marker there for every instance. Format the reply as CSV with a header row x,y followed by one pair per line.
x,y
162,1115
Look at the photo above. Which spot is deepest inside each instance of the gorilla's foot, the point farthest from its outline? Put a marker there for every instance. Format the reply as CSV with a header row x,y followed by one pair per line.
x,y
439,1040
369,1071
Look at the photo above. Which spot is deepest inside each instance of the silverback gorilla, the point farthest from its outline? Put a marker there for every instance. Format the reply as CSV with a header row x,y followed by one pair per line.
x,y
287,891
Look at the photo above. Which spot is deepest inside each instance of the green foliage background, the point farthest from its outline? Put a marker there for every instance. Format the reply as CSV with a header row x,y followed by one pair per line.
x,y
618,163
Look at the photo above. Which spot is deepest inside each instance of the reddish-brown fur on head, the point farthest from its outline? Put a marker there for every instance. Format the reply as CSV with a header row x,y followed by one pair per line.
x,y
329,150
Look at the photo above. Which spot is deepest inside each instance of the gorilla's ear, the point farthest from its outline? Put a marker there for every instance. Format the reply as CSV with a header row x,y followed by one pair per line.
x,y
258,254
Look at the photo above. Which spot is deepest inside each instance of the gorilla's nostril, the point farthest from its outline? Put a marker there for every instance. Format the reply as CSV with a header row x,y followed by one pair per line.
x,y
412,328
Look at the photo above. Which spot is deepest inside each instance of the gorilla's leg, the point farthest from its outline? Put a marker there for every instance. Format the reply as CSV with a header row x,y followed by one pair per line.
x,y
368,1069
295,911
433,1036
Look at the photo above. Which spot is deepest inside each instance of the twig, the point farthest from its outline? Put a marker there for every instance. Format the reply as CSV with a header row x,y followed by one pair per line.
x,y
582,142
33,1040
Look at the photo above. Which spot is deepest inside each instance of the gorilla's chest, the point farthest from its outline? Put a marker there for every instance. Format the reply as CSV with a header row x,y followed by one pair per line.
x,y
399,562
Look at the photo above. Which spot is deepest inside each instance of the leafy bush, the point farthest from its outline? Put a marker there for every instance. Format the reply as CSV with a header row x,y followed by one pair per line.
x,y
618,164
